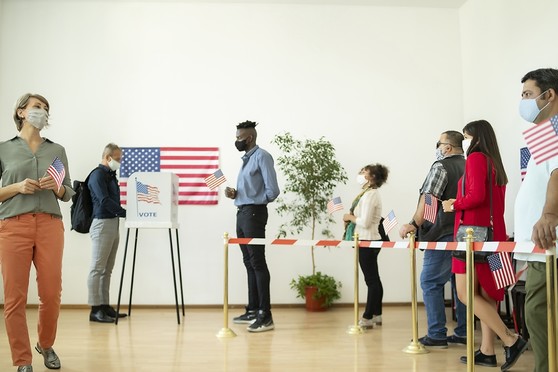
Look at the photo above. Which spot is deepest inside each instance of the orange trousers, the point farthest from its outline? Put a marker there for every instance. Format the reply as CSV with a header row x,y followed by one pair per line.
x,y
36,238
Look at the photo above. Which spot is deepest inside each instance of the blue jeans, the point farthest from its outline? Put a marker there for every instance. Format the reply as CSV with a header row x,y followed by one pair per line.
x,y
436,272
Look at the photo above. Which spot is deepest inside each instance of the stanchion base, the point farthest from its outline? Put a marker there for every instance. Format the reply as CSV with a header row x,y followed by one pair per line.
x,y
355,330
415,348
226,333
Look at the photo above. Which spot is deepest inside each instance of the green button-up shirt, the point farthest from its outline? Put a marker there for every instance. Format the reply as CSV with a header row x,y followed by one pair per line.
x,y
17,163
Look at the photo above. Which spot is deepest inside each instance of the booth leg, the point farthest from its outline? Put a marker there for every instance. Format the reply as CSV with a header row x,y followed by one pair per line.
x,y
122,276
174,277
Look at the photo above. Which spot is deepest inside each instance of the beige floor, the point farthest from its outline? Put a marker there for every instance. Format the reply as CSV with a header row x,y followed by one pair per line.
x,y
151,340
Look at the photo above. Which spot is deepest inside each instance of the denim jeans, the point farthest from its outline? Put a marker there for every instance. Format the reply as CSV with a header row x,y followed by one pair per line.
x,y
436,272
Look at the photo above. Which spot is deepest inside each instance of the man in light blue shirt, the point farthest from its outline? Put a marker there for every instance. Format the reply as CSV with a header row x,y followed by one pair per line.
x,y
256,186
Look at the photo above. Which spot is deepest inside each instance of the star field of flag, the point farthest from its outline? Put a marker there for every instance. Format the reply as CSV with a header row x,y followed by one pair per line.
x,y
542,140
524,156
192,165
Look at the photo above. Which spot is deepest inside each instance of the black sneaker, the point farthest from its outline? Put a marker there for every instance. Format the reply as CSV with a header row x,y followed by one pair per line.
x,y
430,342
454,339
263,323
481,359
248,317
513,353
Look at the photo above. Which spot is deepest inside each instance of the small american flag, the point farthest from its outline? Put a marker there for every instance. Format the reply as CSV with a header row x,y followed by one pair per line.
x,y
57,172
334,205
502,269
524,156
390,221
147,193
542,140
215,179
430,207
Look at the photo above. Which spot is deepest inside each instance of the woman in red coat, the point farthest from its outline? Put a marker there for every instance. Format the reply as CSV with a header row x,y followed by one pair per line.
x,y
473,208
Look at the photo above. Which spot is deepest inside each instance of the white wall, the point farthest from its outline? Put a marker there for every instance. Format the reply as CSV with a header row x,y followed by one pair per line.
x,y
501,42
381,83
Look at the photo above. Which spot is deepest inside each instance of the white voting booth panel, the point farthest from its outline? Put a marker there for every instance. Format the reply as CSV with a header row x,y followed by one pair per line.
x,y
152,203
152,200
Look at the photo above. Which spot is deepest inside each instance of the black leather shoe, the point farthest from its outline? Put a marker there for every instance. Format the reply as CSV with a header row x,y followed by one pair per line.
x,y
482,359
109,310
100,316
513,353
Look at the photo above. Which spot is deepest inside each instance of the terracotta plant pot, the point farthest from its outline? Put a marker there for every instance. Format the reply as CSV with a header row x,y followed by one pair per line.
x,y
311,303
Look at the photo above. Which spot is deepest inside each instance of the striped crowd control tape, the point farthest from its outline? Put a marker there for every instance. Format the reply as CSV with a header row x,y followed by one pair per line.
x,y
515,247
299,242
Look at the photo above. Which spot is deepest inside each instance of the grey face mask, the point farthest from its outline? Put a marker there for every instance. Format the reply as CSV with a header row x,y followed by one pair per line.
x,y
37,118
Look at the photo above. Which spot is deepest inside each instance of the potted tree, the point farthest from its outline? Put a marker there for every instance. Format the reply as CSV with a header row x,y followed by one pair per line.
x,y
312,173
318,289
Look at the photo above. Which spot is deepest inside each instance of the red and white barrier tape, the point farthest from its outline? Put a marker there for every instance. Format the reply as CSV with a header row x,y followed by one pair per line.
x,y
516,247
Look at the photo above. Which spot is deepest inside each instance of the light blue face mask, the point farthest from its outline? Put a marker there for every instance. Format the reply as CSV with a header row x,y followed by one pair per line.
x,y
528,108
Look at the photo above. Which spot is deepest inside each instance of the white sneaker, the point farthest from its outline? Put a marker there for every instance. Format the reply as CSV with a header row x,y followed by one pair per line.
x,y
377,320
366,323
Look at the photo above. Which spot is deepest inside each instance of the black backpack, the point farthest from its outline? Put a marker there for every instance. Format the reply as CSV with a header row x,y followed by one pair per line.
x,y
81,211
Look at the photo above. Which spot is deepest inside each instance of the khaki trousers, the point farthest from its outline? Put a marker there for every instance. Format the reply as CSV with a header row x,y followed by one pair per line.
x,y
36,238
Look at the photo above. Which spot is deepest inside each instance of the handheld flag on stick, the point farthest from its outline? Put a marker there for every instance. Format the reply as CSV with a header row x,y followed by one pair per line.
x,y
542,140
390,221
502,269
334,205
215,179
430,207
57,172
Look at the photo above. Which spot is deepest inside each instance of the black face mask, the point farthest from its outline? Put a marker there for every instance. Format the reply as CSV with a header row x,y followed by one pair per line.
x,y
240,145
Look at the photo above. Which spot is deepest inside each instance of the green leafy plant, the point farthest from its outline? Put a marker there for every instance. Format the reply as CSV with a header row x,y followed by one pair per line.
x,y
328,287
312,174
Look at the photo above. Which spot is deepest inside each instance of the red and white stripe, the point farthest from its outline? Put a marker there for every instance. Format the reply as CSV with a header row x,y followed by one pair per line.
x,y
517,247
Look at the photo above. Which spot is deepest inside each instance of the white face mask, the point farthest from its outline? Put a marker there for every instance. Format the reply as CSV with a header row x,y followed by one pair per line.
x,y
37,118
466,144
114,165
528,108
361,180
439,154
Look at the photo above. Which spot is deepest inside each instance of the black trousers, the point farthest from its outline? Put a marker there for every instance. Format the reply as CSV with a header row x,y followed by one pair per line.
x,y
250,223
368,260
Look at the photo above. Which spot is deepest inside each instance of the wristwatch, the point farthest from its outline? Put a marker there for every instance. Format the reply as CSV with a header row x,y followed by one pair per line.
x,y
414,224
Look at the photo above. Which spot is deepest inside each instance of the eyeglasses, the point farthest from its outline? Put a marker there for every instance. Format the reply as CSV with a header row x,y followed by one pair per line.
x,y
442,143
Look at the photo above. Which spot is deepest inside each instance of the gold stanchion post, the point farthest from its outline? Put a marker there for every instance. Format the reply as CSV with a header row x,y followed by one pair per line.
x,y
355,329
551,309
226,332
555,312
415,347
470,273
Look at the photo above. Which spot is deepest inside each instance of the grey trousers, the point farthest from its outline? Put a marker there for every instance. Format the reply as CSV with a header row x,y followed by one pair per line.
x,y
105,236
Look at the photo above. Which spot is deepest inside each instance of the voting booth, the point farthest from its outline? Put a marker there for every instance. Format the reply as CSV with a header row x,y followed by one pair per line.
x,y
152,200
152,203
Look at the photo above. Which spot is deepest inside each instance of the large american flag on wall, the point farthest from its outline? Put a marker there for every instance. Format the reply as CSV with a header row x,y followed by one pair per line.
x,y
191,164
